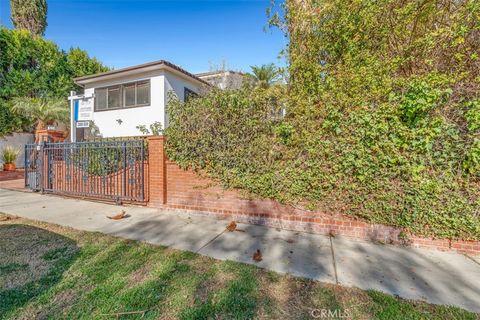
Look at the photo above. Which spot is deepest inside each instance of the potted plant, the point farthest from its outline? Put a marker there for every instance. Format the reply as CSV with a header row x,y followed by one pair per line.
x,y
9,156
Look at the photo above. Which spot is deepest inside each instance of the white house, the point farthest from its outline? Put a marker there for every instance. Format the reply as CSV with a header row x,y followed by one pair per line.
x,y
121,100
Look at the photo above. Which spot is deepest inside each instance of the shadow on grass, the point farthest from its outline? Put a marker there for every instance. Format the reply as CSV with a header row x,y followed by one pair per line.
x,y
236,299
32,260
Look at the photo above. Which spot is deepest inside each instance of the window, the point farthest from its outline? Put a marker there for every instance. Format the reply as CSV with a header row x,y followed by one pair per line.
x,y
188,94
101,99
114,98
129,95
143,93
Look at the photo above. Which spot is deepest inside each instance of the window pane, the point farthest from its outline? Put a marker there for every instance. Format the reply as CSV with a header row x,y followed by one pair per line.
x,y
129,95
114,97
188,94
100,99
143,92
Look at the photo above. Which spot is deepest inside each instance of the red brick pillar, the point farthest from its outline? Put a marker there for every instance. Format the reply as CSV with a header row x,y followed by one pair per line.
x,y
49,136
157,179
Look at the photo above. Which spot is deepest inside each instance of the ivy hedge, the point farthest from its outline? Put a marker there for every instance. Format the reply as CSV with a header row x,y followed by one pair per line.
x,y
383,117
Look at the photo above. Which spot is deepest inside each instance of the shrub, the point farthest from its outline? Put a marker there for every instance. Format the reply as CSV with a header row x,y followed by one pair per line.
x,y
102,159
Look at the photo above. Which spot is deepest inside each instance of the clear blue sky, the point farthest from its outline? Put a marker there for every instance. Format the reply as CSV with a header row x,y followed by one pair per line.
x,y
192,34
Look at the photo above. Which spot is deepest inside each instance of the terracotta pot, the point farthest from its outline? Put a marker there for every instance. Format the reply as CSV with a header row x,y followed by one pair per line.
x,y
9,167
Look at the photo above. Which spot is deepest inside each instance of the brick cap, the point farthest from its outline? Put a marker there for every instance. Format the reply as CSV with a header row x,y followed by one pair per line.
x,y
155,138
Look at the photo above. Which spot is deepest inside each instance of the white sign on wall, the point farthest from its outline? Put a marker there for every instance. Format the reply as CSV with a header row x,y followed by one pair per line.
x,y
83,124
85,109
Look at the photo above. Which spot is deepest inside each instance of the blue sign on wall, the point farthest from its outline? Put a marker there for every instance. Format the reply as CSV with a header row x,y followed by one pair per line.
x,y
75,109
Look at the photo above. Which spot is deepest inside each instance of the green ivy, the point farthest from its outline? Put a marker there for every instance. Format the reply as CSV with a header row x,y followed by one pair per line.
x,y
473,115
378,125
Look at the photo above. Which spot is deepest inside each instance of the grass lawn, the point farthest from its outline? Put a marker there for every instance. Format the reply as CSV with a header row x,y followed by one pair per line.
x,y
48,271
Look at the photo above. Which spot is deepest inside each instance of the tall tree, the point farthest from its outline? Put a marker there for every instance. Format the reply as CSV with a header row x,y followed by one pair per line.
x,y
30,15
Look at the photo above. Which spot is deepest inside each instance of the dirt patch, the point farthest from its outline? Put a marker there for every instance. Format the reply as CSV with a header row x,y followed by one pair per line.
x,y
216,279
59,305
35,250
7,217
295,298
139,275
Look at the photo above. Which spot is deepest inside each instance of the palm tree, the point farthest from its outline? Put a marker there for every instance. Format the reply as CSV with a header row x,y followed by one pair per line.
x,y
265,75
42,111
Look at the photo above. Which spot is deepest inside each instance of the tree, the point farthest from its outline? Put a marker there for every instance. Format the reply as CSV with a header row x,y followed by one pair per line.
x,y
265,75
42,111
81,64
30,15
33,67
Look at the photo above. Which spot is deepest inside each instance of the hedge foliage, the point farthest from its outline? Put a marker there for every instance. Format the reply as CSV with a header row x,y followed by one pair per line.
x,y
382,123
31,66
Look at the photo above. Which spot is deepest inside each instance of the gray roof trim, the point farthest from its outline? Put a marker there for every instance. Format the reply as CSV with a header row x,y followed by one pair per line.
x,y
80,80
214,73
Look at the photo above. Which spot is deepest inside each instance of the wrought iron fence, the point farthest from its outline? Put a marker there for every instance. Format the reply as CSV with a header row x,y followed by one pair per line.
x,y
113,170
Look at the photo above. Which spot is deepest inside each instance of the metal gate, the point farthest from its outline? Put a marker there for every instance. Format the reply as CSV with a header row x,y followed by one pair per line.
x,y
109,170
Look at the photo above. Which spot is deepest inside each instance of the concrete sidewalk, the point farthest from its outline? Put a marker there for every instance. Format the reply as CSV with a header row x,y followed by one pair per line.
x,y
432,276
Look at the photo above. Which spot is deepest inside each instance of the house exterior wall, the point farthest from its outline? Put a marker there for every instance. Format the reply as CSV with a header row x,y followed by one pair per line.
x,y
123,122
177,85
224,79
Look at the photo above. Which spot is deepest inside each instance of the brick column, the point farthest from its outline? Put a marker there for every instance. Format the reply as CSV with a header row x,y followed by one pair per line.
x,y
157,171
49,136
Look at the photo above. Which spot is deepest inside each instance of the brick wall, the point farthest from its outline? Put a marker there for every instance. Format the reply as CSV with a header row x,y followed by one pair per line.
x,y
156,175
175,188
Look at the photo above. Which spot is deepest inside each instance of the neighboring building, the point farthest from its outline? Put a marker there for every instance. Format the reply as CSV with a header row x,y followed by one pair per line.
x,y
223,79
126,98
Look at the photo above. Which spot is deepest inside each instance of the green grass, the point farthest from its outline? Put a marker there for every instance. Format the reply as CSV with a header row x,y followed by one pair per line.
x,y
47,271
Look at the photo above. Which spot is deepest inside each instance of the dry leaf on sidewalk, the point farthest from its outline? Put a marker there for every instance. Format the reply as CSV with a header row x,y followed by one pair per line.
x,y
257,256
121,215
232,226
6,218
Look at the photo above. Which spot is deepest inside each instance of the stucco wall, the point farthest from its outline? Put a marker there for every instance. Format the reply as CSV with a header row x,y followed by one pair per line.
x,y
17,140
161,82
107,121
224,80
177,85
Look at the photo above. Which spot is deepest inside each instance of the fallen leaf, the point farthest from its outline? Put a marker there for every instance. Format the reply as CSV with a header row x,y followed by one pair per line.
x,y
232,226
257,256
121,215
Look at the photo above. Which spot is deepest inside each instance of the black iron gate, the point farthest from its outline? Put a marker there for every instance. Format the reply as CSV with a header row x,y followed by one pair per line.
x,y
110,170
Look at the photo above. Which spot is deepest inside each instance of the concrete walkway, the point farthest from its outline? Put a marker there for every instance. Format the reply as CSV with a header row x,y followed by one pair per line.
x,y
435,277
